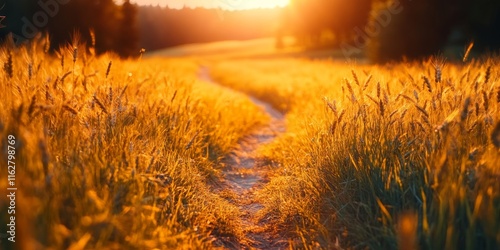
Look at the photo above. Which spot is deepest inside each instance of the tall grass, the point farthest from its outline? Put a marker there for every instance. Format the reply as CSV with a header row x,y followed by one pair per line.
x,y
382,157
116,153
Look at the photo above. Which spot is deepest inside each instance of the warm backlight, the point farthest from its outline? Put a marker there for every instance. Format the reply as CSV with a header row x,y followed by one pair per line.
x,y
225,4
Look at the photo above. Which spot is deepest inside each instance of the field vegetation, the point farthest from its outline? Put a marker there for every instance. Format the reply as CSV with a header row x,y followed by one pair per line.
x,y
125,154
115,153
402,155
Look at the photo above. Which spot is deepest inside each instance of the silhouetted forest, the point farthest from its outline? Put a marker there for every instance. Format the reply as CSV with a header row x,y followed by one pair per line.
x,y
428,27
103,23
126,28
384,29
393,29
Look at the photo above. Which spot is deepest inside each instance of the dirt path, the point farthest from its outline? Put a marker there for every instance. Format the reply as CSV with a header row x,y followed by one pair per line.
x,y
245,172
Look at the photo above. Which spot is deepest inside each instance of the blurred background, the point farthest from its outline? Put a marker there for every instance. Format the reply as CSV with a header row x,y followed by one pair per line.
x,y
380,30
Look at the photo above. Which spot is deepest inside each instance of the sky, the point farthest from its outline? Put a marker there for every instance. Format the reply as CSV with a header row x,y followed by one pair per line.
x,y
225,4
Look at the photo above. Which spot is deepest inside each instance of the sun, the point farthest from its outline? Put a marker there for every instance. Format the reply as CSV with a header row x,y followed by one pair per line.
x,y
253,4
224,4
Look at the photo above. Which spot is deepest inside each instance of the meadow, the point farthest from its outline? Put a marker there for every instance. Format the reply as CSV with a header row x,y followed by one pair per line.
x,y
116,154
125,154
402,155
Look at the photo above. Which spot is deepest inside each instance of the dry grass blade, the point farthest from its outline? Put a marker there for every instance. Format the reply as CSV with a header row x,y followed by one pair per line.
x,y
190,143
32,106
8,65
465,110
422,110
408,98
70,109
332,106
438,63
487,75
467,51
75,54
372,99
485,101
356,80
341,116
427,83
351,91
123,92
108,69
378,90
63,77
30,71
100,104
333,127
381,108
367,82
173,97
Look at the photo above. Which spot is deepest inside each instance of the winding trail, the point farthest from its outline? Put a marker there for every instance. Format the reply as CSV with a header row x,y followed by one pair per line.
x,y
245,173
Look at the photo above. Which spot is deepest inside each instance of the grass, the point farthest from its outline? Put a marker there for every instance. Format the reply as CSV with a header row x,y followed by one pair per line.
x,y
116,153
376,155
123,154
261,48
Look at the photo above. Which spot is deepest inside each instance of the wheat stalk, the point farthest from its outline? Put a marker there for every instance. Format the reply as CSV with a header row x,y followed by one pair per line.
x,y
108,69
378,90
30,71
422,110
356,80
367,82
438,62
428,83
485,101
70,109
465,110
32,106
8,65
190,143
467,51
488,74
99,103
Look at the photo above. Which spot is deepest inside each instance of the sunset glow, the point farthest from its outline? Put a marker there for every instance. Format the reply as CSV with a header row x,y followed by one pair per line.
x,y
224,4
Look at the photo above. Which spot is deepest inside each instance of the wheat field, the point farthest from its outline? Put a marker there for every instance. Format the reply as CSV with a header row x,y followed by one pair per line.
x,y
117,153
124,154
404,155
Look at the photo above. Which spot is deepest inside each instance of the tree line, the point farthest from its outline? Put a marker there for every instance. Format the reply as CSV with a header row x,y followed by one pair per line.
x,y
104,24
394,29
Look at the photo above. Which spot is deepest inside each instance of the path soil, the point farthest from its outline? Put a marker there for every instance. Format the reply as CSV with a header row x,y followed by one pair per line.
x,y
245,173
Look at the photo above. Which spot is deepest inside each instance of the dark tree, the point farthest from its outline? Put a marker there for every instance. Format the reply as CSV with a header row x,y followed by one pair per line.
x,y
83,16
483,23
419,30
428,27
347,16
16,14
62,18
128,35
